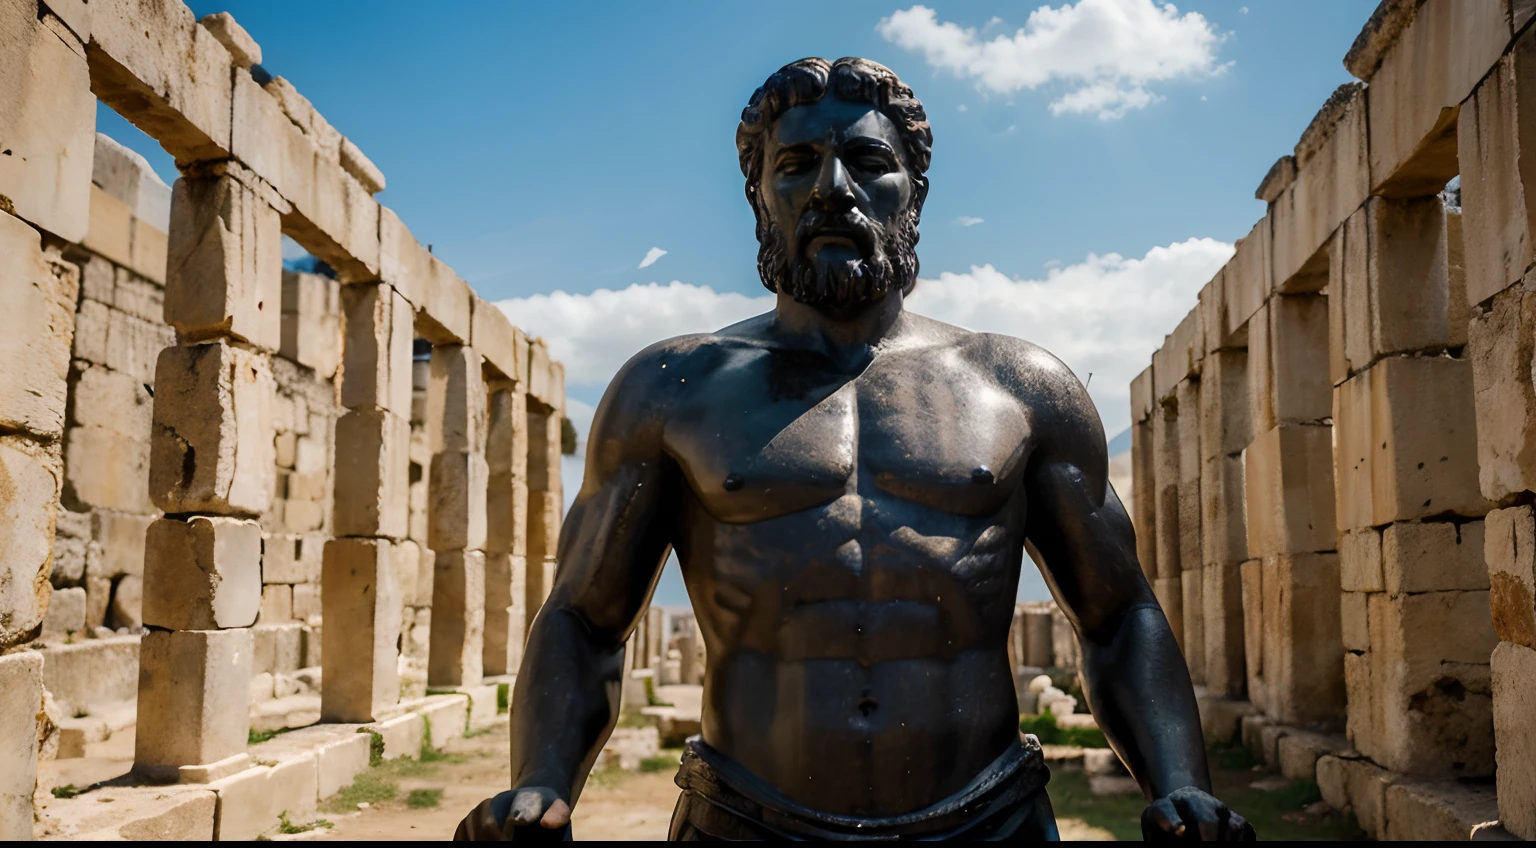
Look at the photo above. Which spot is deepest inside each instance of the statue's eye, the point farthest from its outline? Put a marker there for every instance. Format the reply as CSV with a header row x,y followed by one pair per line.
x,y
872,163
795,164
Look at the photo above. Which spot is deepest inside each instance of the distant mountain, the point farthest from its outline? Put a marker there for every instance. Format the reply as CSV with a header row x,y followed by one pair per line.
x,y
1121,443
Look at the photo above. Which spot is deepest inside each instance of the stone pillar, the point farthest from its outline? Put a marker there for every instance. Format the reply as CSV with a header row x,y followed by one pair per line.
x,y
1190,557
456,517
545,505
212,472
1496,130
1415,610
506,540
1224,434
1291,592
360,571
1144,474
1168,584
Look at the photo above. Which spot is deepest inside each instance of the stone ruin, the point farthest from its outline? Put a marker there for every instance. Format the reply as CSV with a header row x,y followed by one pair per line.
x,y
1334,453
234,497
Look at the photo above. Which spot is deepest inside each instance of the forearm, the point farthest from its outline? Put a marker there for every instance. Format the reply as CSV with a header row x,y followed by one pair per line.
x,y
565,704
1139,689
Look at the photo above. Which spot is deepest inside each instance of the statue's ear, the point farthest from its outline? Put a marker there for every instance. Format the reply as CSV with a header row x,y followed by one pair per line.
x,y
919,195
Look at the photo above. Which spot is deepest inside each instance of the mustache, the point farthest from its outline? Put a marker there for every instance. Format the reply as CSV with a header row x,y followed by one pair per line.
x,y
867,234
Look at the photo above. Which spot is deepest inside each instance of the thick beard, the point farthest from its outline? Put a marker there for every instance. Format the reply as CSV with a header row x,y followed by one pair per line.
x,y
888,260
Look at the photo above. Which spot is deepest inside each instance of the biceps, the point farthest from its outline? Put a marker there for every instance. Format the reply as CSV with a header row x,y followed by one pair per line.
x,y
612,545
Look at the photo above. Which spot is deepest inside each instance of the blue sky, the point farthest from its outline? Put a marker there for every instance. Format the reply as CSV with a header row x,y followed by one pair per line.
x,y
549,147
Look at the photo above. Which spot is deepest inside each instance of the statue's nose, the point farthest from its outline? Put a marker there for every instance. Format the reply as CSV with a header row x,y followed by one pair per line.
x,y
833,189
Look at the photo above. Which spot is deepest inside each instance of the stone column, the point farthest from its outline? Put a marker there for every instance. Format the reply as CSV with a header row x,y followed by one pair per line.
x,y
1291,592
1167,585
545,505
1415,616
456,517
360,573
1224,434
506,541
211,471
1190,536
1143,474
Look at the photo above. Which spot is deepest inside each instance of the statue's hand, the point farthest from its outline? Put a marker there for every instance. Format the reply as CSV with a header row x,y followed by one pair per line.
x,y
519,813
1191,815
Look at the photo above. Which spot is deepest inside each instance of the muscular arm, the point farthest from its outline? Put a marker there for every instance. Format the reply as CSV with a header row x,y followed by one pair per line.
x,y
1133,672
612,546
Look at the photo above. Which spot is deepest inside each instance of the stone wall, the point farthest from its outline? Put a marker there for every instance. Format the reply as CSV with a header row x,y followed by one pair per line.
x,y
210,459
1320,441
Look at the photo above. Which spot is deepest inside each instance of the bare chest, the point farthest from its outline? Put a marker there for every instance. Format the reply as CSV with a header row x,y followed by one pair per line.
x,y
768,437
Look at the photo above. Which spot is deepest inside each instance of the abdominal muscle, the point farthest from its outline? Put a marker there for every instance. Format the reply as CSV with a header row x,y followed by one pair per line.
x,y
846,738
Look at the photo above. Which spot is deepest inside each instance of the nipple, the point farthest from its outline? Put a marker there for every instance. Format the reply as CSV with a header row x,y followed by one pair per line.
x,y
982,475
733,482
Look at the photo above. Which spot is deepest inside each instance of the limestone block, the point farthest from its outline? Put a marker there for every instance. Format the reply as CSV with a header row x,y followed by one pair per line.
x,y
1331,782
127,602
113,400
173,83
1194,625
426,565
402,735
1250,577
1247,277
1298,752
1212,307
311,329
1433,556
1179,358
1363,720
444,309
291,558
1354,620
66,612
332,215
507,431
279,648
495,338
506,515
1303,648
1360,560
37,330
1438,812
243,50
1225,427
211,448
1502,344
1395,463
1389,283
1165,451
1429,71
544,512
1221,598
1329,184
106,468
49,121
407,566
1142,401
445,716
224,269
1288,362
456,400
361,598
1280,175
1223,516
1431,688
276,604
29,476
299,110
372,474
456,516
21,699
306,603
1365,785
377,355
251,802
403,262
361,167
506,625
541,578
1514,690
544,452
1169,592
1288,475
1510,551
203,573
1493,137
110,233
1143,503
458,618
340,763
192,698
125,343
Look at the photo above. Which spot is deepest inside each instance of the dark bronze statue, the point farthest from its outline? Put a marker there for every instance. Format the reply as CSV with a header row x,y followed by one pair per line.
x,y
849,488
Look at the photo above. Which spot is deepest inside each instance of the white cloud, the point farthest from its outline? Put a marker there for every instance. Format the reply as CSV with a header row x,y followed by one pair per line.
x,y
1106,53
651,256
1103,316
962,108
968,221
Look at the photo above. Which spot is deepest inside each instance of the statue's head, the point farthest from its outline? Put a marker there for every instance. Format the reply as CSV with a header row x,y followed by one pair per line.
x,y
834,155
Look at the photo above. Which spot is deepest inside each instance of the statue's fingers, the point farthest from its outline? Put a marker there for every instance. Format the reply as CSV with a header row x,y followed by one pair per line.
x,y
1161,817
557,816
1239,829
478,826
1207,814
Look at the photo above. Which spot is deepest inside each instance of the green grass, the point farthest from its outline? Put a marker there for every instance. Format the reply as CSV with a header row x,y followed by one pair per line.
x,y
661,763
503,697
1045,728
421,799
286,826
375,746
256,737
650,694
1071,798
369,788
68,790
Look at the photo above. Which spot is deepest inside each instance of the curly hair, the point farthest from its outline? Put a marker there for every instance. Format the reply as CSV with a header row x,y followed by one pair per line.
x,y
850,79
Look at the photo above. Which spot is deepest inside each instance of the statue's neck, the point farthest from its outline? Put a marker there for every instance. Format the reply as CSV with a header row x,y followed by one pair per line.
x,y
847,337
